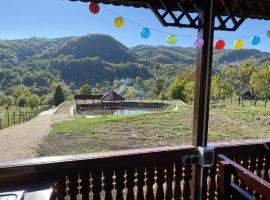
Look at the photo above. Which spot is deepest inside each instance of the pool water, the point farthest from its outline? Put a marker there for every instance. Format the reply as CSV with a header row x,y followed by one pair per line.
x,y
125,111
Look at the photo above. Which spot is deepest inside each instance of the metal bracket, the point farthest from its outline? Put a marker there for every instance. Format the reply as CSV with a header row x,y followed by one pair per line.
x,y
206,156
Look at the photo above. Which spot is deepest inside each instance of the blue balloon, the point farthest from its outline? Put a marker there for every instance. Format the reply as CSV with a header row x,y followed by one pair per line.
x,y
255,40
145,33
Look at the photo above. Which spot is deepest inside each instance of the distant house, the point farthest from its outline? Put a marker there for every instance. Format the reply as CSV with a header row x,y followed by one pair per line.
x,y
245,93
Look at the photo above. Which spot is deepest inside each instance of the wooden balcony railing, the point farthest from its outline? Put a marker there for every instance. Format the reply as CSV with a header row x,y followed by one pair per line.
x,y
137,174
156,173
251,154
237,182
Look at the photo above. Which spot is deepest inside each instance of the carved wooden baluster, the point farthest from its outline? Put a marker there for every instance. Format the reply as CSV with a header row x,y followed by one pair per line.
x,y
182,183
165,185
125,190
79,188
263,168
241,163
190,183
256,172
155,185
238,179
91,193
114,191
254,194
256,165
174,182
55,190
216,182
208,184
67,197
145,187
135,188
249,166
102,193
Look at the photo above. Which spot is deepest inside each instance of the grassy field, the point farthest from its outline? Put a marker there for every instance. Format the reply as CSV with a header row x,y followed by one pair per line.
x,y
155,129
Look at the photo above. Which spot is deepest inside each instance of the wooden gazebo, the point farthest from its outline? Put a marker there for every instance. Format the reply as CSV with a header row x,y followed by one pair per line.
x,y
231,171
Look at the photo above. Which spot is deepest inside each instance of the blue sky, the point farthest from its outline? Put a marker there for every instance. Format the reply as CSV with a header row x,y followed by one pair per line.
x,y
58,18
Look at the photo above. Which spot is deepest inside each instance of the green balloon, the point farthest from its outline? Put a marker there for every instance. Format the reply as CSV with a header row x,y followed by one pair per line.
x,y
171,39
268,33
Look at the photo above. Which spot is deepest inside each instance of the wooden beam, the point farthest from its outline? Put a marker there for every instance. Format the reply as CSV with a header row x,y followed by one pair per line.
x,y
202,90
203,75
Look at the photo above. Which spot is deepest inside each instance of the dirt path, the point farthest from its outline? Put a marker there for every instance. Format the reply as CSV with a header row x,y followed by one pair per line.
x,y
21,141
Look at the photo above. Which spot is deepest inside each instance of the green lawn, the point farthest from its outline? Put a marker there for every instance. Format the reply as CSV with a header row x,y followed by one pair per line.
x,y
156,129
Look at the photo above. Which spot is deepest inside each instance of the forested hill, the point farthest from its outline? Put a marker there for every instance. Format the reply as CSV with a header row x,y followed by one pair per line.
x,y
170,55
95,58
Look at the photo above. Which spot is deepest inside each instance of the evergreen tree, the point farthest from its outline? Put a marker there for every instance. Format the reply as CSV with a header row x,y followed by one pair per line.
x,y
59,95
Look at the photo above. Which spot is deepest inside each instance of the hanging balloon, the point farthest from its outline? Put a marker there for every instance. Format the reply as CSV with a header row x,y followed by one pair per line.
x,y
255,40
220,44
118,22
94,8
198,43
145,33
268,33
238,44
171,39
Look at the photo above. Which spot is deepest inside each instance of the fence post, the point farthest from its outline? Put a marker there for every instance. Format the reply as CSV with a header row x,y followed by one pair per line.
x,y
8,116
14,120
20,116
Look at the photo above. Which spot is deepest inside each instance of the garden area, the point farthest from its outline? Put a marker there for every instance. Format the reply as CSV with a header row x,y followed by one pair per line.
x,y
228,122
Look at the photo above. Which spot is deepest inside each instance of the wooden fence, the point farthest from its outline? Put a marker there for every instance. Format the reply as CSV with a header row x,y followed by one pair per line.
x,y
10,118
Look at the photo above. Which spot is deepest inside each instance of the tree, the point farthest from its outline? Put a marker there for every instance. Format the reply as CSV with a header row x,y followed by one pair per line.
x,y
245,72
138,82
163,95
218,88
21,101
33,101
86,89
19,91
6,100
59,96
157,86
260,82
231,75
181,87
189,90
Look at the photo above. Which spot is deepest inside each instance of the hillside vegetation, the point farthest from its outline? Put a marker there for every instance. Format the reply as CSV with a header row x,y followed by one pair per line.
x,y
101,61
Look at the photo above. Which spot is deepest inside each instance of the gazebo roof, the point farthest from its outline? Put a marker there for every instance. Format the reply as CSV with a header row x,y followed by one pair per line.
x,y
257,9
112,96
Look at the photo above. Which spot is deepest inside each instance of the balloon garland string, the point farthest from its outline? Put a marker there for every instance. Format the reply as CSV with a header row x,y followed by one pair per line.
x,y
181,35
119,22
141,25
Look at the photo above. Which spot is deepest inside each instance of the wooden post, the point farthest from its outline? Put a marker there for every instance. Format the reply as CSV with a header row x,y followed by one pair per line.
x,y
202,90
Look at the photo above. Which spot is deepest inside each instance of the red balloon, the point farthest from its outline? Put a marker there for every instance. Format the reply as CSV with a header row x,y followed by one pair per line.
x,y
220,44
94,8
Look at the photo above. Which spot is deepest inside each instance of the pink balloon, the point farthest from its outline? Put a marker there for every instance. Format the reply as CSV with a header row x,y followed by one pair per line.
x,y
198,42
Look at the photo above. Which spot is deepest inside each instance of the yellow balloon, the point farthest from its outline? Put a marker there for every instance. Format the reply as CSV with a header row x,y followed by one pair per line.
x,y
119,22
238,44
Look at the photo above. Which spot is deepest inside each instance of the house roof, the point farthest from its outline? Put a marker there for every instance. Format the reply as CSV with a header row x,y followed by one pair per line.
x,y
112,96
257,9
87,97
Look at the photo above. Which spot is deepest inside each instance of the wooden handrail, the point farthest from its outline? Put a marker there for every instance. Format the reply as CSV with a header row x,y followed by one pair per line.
x,y
249,179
